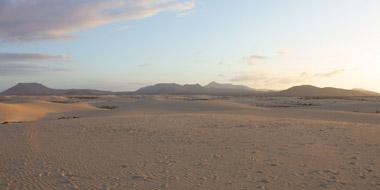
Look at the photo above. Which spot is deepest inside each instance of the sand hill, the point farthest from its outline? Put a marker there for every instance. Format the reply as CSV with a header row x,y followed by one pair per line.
x,y
189,142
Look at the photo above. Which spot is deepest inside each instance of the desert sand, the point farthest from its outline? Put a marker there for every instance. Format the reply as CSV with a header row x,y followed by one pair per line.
x,y
189,142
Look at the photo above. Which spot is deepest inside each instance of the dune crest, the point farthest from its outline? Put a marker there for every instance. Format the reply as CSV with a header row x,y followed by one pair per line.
x,y
34,110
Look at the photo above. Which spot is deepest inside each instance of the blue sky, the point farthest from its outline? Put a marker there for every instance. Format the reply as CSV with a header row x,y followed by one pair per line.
x,y
123,45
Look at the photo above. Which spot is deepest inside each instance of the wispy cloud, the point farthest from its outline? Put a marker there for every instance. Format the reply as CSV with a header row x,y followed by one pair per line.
x,y
330,74
112,85
40,20
122,28
144,66
29,57
26,69
253,59
249,77
283,52
271,79
199,61
185,13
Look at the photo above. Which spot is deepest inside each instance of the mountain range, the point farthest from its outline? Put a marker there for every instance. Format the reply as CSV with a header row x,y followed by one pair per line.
x,y
213,88
35,89
308,90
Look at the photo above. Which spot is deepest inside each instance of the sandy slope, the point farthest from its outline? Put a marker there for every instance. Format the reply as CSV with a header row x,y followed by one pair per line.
x,y
33,110
162,142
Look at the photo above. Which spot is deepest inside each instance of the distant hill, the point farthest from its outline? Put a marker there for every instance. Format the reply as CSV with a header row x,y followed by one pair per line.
x,y
211,89
35,89
215,85
170,88
29,89
308,90
366,91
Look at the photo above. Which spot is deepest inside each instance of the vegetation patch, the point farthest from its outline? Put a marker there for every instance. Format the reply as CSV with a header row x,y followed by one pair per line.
x,y
60,102
11,122
83,97
69,117
196,99
132,97
108,107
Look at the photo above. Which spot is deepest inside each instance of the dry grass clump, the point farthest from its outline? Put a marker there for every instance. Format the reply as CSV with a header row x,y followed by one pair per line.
x,y
60,102
83,97
69,117
108,107
10,122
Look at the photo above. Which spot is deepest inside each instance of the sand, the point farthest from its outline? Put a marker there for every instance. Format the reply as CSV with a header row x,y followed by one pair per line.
x,y
190,142
33,110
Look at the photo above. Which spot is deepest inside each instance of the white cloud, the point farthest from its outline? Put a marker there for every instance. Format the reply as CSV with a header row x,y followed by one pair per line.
x,y
38,20
29,57
253,59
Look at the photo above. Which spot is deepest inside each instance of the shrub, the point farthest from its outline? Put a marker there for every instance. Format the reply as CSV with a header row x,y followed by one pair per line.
x,y
108,107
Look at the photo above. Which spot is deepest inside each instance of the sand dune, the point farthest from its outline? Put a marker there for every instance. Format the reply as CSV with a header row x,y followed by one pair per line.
x,y
35,110
189,142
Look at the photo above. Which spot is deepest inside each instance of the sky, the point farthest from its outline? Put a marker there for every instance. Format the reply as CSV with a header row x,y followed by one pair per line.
x,y
122,45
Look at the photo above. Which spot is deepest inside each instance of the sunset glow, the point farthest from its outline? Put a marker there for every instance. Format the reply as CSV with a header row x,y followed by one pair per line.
x,y
123,45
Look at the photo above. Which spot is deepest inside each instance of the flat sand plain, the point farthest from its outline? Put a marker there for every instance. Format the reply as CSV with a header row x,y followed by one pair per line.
x,y
189,142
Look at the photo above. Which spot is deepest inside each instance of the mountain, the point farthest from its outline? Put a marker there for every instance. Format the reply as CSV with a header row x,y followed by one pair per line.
x,y
308,90
35,89
170,88
85,92
211,89
29,89
215,85
366,91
